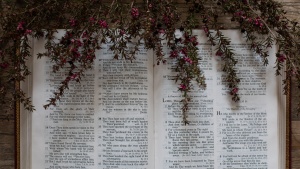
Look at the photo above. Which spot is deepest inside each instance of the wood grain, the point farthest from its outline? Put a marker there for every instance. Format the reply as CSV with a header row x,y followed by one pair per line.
x,y
7,146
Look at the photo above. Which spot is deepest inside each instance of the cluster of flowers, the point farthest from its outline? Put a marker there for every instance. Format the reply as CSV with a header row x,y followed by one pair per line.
x,y
75,51
254,21
21,28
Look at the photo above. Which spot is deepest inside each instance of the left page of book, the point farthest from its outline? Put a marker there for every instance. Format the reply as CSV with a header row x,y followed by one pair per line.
x,y
105,121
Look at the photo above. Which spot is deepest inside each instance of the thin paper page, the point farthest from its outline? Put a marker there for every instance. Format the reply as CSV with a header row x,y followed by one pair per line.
x,y
246,131
179,145
222,134
105,120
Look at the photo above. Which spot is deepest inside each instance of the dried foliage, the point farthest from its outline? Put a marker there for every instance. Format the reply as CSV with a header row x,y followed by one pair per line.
x,y
90,23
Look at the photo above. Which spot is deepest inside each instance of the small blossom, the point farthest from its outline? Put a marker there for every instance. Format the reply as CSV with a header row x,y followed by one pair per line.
x,y
193,40
75,52
72,22
239,13
122,32
281,58
92,20
63,60
20,26
135,12
174,54
219,53
182,87
205,29
28,32
78,43
74,76
89,57
184,51
188,60
258,22
234,91
161,31
103,24
84,34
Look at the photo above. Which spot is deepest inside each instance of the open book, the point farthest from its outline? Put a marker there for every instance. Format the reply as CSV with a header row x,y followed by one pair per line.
x,y
126,115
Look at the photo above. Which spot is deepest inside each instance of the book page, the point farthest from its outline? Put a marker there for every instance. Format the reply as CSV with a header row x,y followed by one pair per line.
x,y
105,121
222,133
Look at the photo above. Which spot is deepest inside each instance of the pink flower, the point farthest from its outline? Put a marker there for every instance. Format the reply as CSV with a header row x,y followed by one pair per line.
x,y
84,34
28,32
258,22
75,52
188,60
89,57
219,53
234,90
238,13
63,60
184,51
173,54
72,22
161,31
20,26
73,76
193,40
205,29
135,12
122,32
281,58
103,24
182,87
78,43
92,20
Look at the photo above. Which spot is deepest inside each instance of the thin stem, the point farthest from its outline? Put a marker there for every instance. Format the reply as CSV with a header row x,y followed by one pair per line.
x,y
260,19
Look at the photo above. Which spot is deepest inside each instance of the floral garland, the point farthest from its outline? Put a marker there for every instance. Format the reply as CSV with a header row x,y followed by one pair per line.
x,y
91,23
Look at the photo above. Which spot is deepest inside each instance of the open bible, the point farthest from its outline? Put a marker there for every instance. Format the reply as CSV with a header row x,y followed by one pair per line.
x,y
127,115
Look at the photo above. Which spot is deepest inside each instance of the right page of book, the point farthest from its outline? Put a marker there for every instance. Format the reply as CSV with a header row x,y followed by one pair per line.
x,y
222,133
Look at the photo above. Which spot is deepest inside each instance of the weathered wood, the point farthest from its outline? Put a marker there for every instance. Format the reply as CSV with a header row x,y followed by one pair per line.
x,y
7,146
295,145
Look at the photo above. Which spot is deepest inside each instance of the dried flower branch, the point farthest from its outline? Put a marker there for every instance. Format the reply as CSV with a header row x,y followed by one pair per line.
x,y
127,25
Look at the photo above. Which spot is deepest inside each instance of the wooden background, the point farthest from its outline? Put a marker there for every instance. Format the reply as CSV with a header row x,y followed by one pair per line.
x,y
7,143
